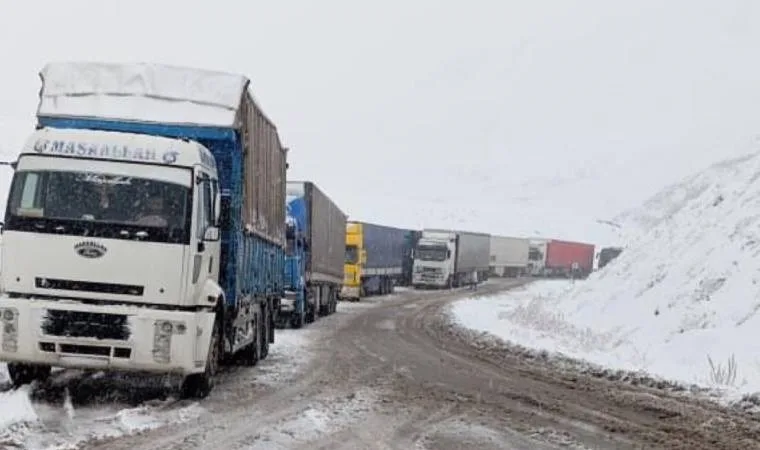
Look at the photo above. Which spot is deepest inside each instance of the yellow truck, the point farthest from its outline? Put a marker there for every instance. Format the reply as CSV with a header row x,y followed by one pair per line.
x,y
378,258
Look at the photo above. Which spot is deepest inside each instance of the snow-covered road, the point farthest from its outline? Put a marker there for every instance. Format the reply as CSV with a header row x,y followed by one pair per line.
x,y
74,409
384,373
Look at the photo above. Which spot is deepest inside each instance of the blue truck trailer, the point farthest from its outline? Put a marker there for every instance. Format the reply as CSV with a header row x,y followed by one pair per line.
x,y
145,228
315,234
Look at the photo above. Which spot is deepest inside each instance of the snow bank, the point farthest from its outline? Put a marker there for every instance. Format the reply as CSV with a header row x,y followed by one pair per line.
x,y
681,302
17,408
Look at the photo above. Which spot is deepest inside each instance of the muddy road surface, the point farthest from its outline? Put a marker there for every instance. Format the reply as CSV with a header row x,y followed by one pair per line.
x,y
392,373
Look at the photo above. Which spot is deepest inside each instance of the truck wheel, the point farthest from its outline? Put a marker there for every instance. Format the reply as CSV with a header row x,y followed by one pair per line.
x,y
311,313
199,385
297,319
264,331
271,318
251,354
22,374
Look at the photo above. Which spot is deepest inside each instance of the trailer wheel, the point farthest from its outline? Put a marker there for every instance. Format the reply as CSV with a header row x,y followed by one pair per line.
x,y
311,313
332,299
199,385
251,354
297,320
22,374
272,320
264,331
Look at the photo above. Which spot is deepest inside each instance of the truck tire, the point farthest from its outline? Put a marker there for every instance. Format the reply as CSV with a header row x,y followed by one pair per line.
x,y
199,385
334,303
297,319
272,320
264,339
22,374
311,313
251,354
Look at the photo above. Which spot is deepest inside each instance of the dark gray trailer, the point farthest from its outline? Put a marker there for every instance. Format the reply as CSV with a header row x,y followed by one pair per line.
x,y
376,258
316,247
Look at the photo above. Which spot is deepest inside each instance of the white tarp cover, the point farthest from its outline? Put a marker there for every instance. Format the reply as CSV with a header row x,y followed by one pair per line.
x,y
141,92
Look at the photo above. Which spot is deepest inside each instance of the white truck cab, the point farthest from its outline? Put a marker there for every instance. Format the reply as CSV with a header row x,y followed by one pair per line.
x,y
110,254
434,259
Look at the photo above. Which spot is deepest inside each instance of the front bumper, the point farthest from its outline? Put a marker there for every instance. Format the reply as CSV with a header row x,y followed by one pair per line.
x,y
127,338
350,292
428,279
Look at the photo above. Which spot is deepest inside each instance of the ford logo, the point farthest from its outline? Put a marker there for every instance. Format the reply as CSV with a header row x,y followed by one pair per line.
x,y
90,249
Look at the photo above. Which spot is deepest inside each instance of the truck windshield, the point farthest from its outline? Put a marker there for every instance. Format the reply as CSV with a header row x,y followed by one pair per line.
x,y
99,205
352,254
431,253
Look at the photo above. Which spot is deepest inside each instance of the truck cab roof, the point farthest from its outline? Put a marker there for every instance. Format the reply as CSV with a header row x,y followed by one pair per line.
x,y
119,146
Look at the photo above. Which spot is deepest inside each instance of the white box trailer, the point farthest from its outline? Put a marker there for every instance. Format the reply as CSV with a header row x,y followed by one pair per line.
x,y
447,258
509,256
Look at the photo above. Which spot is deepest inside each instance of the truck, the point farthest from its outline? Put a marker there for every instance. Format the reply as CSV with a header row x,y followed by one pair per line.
x,y
568,259
447,258
607,254
408,267
509,256
145,226
315,234
537,256
376,256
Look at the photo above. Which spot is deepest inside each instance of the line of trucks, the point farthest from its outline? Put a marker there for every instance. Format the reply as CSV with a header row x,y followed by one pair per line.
x,y
151,227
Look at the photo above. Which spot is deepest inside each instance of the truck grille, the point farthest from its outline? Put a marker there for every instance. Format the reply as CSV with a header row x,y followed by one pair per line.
x,y
88,286
82,324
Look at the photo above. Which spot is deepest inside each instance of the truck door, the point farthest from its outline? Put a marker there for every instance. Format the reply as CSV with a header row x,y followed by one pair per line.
x,y
207,236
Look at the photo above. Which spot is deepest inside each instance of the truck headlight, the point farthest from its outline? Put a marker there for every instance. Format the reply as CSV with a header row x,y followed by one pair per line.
x,y
10,330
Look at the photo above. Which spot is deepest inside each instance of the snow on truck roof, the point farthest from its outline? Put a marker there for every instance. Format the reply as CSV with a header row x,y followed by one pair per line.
x,y
141,92
118,146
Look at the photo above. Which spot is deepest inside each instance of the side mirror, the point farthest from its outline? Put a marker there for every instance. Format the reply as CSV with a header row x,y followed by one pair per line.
x,y
2,226
211,234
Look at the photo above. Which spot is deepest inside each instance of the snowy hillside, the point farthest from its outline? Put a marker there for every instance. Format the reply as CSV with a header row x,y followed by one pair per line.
x,y
685,290
676,196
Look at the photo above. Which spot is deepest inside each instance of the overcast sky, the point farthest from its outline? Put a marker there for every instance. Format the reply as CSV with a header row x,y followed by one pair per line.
x,y
585,105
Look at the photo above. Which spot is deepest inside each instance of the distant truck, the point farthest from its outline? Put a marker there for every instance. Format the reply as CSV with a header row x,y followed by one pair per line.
x,y
408,267
537,256
607,254
145,227
376,256
509,256
315,234
568,259
447,258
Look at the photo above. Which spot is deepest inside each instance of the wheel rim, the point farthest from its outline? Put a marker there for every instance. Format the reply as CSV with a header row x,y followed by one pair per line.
x,y
213,362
